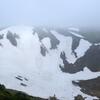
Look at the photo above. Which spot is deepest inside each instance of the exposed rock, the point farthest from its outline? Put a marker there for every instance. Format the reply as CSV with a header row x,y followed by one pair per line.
x,y
1,36
19,78
89,60
43,50
1,44
25,79
43,34
79,97
22,84
75,39
75,44
12,38
90,34
90,87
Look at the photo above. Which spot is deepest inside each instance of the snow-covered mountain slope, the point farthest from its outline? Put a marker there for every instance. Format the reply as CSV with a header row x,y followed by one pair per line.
x,y
43,62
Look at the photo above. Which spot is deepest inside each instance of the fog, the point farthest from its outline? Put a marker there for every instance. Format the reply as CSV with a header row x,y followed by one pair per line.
x,y
50,12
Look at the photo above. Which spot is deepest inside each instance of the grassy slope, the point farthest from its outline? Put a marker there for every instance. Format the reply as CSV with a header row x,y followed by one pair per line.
x,y
8,94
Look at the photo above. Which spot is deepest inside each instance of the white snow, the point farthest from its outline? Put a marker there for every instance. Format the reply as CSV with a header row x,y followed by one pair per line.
x,y
65,45
78,35
82,48
46,42
44,74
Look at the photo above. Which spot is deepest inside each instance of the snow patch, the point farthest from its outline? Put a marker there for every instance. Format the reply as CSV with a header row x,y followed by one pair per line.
x,y
78,35
82,48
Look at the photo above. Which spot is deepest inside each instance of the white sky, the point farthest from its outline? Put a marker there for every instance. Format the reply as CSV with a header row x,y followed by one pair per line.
x,y
50,12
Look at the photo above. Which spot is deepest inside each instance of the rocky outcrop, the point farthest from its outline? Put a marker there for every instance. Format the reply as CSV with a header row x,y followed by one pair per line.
x,y
90,87
89,60
46,33
12,38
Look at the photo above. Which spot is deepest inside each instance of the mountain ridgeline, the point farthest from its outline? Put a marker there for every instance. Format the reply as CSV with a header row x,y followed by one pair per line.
x,y
44,62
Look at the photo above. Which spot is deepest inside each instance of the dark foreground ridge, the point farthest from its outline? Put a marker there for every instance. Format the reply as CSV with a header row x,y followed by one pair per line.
x,y
8,94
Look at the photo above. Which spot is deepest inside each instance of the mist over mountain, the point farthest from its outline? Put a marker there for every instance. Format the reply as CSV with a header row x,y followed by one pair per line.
x,y
50,48
44,62
63,13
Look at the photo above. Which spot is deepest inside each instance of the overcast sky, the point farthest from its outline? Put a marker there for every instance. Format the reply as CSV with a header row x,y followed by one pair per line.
x,y
50,12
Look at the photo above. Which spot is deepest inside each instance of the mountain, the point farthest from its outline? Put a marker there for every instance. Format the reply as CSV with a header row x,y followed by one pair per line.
x,y
45,62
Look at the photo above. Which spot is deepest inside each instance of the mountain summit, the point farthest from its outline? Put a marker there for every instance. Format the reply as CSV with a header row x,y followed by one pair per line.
x,y
44,61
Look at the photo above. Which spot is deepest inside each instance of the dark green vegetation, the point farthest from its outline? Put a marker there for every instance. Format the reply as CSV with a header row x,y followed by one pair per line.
x,y
8,94
79,97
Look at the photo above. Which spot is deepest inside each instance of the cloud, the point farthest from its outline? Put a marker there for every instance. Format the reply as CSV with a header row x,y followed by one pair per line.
x,y
50,12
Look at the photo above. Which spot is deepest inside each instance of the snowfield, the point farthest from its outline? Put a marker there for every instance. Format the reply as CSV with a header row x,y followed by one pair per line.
x,y
40,74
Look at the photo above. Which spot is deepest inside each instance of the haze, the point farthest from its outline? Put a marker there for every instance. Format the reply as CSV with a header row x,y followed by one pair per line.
x,y
50,12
